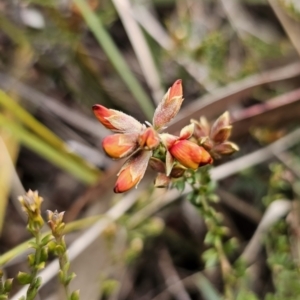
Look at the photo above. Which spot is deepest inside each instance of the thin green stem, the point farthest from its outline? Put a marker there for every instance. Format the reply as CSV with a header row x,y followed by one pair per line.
x,y
32,289
214,227
63,260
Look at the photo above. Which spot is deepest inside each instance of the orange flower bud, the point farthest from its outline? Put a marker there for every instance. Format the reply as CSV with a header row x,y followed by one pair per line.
x,y
169,106
125,181
190,154
149,139
120,145
132,171
116,120
175,91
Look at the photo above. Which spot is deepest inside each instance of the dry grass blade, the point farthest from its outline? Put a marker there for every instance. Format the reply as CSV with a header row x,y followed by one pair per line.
x,y
200,281
275,211
10,179
117,60
157,32
172,280
240,206
51,105
140,47
291,27
275,111
244,24
215,103
290,161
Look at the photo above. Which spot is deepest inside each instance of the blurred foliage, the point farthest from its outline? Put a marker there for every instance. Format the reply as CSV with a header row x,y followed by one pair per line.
x,y
79,54
292,7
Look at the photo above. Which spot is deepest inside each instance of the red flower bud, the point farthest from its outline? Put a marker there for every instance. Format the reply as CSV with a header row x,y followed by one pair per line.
x,y
175,91
190,154
169,106
116,120
132,171
120,145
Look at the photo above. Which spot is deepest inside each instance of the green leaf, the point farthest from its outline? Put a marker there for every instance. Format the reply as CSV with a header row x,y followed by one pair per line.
x,y
24,278
109,286
66,267
75,295
31,259
37,283
8,284
70,278
59,250
210,257
33,245
179,184
46,239
209,238
41,265
44,254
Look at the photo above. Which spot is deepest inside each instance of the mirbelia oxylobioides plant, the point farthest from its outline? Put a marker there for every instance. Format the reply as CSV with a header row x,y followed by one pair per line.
x,y
42,245
171,156
177,159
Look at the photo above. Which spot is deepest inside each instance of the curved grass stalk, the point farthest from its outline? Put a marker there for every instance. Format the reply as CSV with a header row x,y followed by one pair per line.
x,y
61,159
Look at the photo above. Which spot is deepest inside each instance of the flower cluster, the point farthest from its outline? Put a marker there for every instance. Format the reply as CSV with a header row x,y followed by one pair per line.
x,y
215,138
59,248
31,205
144,144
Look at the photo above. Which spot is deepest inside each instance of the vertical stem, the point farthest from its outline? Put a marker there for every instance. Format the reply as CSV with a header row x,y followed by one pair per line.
x,y
32,290
213,224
